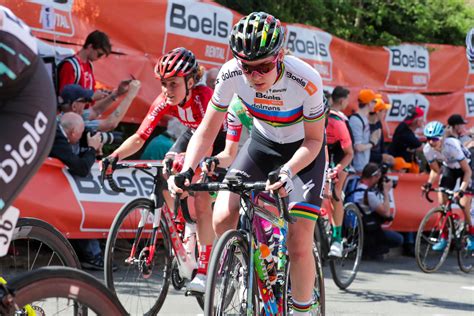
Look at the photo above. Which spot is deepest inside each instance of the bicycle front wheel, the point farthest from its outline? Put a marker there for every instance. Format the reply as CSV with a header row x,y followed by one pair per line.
x,y
344,269
63,291
228,277
465,256
36,244
434,227
142,279
319,293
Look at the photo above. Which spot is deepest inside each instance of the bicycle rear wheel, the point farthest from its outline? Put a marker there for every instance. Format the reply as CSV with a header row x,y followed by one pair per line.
x,y
140,285
228,277
63,291
319,293
434,226
465,257
344,269
35,244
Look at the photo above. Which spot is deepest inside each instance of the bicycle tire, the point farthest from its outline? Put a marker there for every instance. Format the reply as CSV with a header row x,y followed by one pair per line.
x,y
319,289
36,243
157,282
352,239
321,238
465,257
223,266
424,243
75,286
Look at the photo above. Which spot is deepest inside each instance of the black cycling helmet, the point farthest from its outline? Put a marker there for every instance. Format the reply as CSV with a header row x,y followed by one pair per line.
x,y
256,36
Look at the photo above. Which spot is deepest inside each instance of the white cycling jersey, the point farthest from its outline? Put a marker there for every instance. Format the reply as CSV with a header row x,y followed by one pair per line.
x,y
451,154
279,112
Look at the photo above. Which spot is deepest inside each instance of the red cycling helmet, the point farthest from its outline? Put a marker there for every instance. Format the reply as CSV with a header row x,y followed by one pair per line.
x,y
179,62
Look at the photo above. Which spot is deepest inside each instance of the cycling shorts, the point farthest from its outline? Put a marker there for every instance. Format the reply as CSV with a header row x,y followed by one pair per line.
x,y
449,178
28,127
260,156
181,144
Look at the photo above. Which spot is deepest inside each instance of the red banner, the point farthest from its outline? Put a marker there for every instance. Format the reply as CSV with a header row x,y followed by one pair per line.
x,y
143,31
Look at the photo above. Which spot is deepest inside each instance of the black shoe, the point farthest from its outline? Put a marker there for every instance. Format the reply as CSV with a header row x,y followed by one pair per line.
x,y
96,264
409,250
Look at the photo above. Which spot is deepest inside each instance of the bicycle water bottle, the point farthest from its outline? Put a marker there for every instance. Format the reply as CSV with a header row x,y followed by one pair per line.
x,y
189,239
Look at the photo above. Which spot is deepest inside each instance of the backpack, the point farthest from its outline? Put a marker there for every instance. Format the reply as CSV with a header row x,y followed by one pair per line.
x,y
75,65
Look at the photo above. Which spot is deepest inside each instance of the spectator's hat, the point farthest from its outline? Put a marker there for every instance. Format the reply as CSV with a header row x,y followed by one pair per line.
x,y
456,119
413,114
74,92
380,104
366,96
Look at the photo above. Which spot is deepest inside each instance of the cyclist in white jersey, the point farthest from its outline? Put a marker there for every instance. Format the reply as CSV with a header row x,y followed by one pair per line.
x,y
448,158
285,97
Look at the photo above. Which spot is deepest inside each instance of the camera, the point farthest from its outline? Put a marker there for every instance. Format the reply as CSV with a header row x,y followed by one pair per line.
x,y
106,138
384,178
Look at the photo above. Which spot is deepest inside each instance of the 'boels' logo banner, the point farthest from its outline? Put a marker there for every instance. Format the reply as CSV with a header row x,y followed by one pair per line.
x,y
470,76
409,67
403,103
469,100
208,24
312,46
52,17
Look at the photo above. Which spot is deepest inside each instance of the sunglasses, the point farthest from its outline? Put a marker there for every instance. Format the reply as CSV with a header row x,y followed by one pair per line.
x,y
100,53
82,100
433,139
261,69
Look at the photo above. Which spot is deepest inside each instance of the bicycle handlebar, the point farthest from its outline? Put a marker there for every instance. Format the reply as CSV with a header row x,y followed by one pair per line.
x,y
450,194
135,165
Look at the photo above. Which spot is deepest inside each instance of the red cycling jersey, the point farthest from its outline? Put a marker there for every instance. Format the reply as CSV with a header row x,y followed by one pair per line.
x,y
190,114
337,130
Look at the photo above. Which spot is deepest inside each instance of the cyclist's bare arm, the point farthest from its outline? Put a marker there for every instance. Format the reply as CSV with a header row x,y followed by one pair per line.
x,y
467,174
310,148
227,156
130,146
434,172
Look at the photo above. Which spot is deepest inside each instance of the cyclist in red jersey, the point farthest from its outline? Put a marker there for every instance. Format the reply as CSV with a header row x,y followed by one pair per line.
x,y
182,98
340,151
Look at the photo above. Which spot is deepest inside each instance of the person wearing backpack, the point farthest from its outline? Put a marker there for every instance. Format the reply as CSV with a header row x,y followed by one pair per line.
x,y
363,141
375,208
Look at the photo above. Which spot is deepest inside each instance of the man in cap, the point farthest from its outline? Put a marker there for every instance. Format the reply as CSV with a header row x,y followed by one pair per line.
x,y
378,153
363,142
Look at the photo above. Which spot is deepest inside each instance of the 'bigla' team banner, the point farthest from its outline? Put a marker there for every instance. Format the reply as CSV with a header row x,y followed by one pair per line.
x,y
141,31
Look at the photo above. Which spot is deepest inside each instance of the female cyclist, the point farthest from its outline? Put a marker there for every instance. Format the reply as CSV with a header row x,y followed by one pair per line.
x,y
448,158
285,97
181,97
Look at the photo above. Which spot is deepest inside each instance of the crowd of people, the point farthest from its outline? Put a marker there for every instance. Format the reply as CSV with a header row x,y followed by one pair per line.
x,y
296,138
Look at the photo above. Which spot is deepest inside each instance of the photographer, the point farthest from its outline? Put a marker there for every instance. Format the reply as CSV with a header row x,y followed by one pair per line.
x,y
74,98
375,211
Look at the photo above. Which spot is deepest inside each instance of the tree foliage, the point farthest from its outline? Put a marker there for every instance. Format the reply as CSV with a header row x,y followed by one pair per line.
x,y
373,22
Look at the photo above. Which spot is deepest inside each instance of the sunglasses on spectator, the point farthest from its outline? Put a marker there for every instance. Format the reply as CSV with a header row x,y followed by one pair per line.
x,y
82,100
100,53
433,139
261,69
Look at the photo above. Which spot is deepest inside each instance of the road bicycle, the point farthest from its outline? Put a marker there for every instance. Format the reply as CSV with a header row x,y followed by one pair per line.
x,y
344,269
144,241
238,281
442,222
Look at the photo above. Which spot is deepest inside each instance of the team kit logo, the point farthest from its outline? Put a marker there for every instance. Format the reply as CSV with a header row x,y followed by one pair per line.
x,y
403,103
207,24
409,67
469,101
312,46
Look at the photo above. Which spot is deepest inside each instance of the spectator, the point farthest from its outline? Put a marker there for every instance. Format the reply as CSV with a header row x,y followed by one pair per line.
x,y
74,98
377,153
77,69
68,133
211,76
375,210
363,141
457,128
405,143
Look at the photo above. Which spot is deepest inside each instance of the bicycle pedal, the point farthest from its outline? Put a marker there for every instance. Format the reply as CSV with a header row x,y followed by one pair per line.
x,y
193,293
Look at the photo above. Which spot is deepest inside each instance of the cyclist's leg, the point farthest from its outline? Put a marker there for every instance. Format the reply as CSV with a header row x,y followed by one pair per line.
x,y
28,126
305,201
337,215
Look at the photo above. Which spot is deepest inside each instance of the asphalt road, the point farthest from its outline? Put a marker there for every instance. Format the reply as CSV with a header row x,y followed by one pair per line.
x,y
394,286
